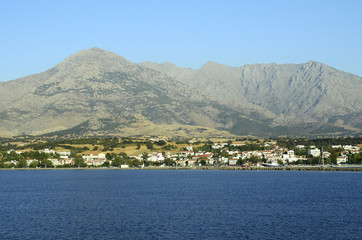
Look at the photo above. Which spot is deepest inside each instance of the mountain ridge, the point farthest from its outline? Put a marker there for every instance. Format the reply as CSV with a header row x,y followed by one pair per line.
x,y
96,83
248,100
263,84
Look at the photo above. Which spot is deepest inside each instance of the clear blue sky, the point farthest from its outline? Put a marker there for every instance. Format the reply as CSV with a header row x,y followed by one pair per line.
x,y
36,35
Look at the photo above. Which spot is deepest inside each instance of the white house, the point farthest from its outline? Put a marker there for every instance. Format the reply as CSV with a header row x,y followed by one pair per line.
x,y
156,157
237,144
218,145
189,148
63,153
341,159
300,147
233,161
326,154
55,161
314,152
89,159
290,156
48,151
347,147
233,152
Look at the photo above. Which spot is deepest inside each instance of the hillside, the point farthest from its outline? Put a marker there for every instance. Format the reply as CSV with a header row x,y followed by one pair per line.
x,y
291,94
96,92
96,84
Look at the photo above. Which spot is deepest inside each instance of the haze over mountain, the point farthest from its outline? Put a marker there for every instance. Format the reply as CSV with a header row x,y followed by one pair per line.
x,y
95,92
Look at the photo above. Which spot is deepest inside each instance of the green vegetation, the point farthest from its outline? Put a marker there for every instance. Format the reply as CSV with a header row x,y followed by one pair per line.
x,y
31,157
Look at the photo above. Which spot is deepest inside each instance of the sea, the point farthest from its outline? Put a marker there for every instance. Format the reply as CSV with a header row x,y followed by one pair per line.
x,y
180,204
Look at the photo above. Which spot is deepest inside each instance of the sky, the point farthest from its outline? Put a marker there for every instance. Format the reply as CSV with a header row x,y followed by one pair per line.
x,y
37,35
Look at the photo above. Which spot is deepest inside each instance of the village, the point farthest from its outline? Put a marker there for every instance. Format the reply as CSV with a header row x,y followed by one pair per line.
x,y
215,154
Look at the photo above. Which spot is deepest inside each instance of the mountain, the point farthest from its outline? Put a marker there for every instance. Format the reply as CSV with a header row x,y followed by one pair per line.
x,y
291,94
96,86
99,93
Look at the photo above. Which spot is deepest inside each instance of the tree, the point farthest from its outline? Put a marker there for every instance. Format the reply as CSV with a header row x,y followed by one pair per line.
x,y
33,164
149,145
22,164
46,163
169,147
224,154
168,162
313,160
106,164
73,153
12,156
240,161
332,158
355,158
134,162
79,162
161,143
118,161
145,156
254,159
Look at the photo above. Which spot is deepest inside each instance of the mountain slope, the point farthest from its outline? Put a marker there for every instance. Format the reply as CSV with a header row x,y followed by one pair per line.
x,y
96,92
290,93
96,84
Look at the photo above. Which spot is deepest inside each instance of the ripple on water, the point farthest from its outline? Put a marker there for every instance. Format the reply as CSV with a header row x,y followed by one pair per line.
x,y
114,204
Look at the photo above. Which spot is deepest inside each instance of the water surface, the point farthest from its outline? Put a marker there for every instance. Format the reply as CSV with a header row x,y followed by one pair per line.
x,y
180,204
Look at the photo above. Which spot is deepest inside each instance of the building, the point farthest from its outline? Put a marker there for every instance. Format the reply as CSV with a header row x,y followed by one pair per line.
x,y
300,147
94,159
47,151
218,145
289,156
65,161
63,153
314,152
341,159
156,157
189,148
233,161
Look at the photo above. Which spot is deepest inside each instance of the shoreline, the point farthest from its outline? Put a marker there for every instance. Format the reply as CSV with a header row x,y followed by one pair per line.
x,y
226,168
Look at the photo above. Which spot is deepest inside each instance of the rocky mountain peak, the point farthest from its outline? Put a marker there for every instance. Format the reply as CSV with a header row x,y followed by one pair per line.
x,y
314,66
94,55
210,64
91,63
214,67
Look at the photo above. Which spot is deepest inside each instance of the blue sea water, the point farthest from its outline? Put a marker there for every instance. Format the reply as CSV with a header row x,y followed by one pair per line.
x,y
180,204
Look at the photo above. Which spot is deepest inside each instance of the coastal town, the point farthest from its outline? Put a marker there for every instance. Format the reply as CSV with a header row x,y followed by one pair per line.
x,y
160,153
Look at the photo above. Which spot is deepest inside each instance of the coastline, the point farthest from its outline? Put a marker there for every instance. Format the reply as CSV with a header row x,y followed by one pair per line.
x,y
352,168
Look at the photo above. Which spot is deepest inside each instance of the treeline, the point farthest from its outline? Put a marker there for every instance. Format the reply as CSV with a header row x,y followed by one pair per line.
x,y
12,159
109,144
42,160
101,144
